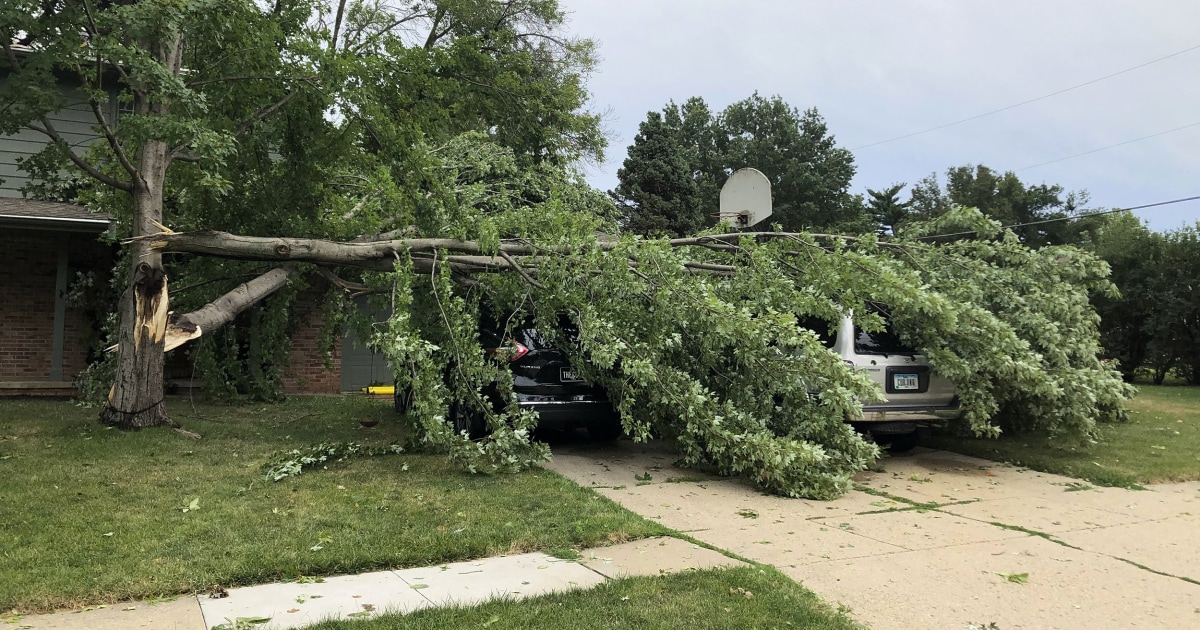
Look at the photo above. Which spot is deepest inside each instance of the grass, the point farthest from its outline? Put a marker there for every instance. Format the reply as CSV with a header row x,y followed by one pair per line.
x,y
1159,443
745,597
90,515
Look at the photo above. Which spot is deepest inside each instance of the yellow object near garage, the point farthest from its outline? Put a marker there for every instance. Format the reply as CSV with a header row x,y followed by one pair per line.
x,y
380,390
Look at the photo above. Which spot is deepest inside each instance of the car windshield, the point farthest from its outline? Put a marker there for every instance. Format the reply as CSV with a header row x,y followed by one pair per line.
x,y
885,342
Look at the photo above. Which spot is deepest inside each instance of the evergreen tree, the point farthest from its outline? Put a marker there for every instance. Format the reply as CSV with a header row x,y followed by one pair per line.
x,y
657,191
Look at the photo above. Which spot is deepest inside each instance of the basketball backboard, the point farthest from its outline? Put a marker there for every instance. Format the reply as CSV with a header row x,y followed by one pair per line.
x,y
746,198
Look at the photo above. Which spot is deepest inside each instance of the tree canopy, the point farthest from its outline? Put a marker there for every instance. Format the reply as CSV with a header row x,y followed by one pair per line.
x,y
1038,209
1152,323
293,117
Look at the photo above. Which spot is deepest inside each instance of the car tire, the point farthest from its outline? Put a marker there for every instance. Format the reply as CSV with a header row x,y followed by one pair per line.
x,y
402,399
464,418
605,431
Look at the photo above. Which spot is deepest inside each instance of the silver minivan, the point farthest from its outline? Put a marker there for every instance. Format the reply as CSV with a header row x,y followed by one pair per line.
x,y
915,394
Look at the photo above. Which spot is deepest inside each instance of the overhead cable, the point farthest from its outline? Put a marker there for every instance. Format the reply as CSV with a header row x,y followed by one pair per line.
x,y
1032,100
1070,218
1111,146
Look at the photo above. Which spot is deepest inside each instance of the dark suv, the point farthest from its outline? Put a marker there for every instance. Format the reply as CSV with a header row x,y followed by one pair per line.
x,y
543,381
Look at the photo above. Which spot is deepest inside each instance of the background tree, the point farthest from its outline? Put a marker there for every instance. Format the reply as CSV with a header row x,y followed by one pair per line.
x,y
887,211
658,192
810,175
1174,321
1005,198
1134,254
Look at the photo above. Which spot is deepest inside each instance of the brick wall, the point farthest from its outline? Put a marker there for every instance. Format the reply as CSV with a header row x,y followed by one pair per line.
x,y
28,268
308,374
28,271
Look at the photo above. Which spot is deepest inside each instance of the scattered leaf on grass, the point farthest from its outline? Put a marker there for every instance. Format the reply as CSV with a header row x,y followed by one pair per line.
x,y
741,591
107,534
191,507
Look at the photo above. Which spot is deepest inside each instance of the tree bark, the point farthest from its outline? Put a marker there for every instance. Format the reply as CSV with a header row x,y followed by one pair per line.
x,y
136,398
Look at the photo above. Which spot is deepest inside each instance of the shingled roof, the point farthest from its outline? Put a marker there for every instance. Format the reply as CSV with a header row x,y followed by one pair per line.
x,y
50,215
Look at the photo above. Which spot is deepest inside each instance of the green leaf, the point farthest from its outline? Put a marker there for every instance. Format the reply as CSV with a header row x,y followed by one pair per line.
x,y
1015,578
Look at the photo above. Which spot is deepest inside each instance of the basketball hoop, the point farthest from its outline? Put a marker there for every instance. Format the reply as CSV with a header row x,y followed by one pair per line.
x,y
745,198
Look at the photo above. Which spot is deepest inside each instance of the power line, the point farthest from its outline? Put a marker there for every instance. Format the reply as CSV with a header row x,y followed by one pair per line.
x,y
1111,146
1079,216
1032,100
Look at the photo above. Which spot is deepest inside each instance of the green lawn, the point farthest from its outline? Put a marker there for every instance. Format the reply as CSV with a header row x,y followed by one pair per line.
x,y
92,515
718,598
1161,442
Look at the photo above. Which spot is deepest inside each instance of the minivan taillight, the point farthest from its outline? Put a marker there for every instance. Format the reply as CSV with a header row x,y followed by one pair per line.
x,y
512,353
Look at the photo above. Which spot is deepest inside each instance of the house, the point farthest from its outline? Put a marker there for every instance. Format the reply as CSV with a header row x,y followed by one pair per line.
x,y
47,339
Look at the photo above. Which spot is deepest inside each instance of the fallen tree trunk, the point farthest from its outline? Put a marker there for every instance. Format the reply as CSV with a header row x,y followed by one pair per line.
x,y
467,256
184,328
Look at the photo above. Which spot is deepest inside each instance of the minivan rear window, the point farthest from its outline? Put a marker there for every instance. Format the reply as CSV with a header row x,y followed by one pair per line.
x,y
826,331
885,342
879,343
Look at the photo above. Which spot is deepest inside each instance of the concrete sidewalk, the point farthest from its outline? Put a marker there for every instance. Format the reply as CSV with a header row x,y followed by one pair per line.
x,y
295,605
938,540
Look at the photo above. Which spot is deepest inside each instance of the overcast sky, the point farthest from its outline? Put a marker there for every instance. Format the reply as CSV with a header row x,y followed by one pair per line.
x,y
884,68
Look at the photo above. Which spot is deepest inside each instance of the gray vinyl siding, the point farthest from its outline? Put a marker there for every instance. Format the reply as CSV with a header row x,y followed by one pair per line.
x,y
74,123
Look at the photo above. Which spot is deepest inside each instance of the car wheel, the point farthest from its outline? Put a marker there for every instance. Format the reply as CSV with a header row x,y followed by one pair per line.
x,y
463,418
605,431
402,398
898,442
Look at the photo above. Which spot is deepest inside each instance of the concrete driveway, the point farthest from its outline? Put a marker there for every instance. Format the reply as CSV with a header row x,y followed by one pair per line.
x,y
937,540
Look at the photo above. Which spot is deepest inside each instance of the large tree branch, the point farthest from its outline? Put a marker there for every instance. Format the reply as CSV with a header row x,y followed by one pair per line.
x,y
184,328
357,254
113,143
427,254
354,288
48,129
337,26
265,112
380,254
434,36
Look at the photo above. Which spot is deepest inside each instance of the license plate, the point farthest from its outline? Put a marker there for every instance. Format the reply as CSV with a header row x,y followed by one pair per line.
x,y
567,375
905,381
